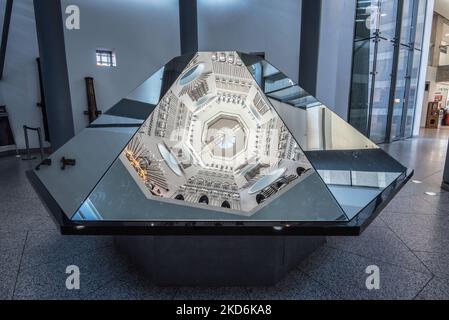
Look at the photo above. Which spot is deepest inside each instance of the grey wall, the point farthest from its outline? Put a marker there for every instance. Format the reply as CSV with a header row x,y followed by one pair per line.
x,y
19,89
335,56
253,26
144,34
143,43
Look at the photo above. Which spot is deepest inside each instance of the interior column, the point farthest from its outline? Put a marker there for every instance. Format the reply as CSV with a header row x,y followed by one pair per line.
x,y
188,23
310,45
55,80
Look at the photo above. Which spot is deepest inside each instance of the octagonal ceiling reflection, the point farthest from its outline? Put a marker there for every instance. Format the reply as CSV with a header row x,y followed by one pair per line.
x,y
214,139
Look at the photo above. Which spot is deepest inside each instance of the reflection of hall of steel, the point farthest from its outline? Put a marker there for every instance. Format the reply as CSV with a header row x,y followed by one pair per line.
x,y
215,154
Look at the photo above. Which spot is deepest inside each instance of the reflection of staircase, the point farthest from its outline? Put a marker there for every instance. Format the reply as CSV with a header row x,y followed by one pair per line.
x,y
250,182
253,174
157,176
275,187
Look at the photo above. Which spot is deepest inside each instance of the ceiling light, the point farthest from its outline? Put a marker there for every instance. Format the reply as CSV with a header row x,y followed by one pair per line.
x,y
431,193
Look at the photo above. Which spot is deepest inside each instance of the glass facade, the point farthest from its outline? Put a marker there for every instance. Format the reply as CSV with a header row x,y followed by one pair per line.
x,y
387,56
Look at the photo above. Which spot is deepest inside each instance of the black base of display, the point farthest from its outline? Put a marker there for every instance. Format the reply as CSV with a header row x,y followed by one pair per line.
x,y
217,260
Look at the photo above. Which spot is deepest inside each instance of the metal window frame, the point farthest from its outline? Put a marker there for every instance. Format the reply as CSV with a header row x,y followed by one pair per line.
x,y
105,58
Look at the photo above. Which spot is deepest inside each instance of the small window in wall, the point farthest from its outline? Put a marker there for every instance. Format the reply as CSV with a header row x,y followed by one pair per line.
x,y
106,58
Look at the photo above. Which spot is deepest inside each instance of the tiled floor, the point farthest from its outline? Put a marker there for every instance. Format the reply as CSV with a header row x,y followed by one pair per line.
x,y
409,242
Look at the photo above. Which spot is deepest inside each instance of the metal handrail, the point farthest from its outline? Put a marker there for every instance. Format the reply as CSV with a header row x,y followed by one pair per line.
x,y
27,144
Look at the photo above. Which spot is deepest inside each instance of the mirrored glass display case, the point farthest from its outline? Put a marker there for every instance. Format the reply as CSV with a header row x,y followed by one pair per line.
x,y
218,143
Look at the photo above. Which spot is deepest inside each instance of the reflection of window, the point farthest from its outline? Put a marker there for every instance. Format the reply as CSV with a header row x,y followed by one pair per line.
x,y
106,58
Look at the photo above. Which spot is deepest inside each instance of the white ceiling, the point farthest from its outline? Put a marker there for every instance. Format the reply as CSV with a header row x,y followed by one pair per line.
x,y
442,7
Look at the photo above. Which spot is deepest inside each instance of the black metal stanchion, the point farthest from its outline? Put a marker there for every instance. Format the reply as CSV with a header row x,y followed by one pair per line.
x,y
27,143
